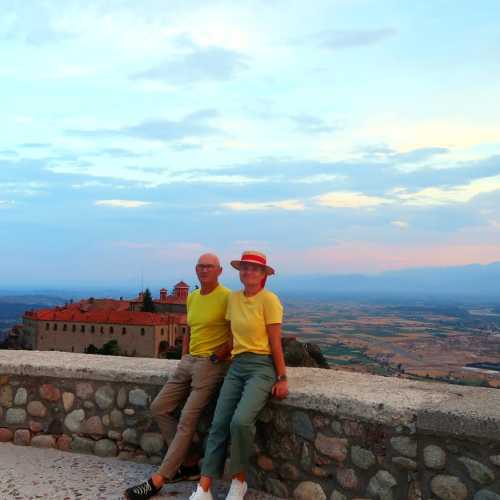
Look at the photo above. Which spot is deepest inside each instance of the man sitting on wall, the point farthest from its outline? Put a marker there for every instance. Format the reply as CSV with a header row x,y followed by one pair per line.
x,y
196,380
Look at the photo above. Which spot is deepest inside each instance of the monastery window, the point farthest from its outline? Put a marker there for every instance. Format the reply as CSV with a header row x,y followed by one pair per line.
x,y
65,327
162,331
92,329
73,328
101,329
47,326
54,327
72,349
82,328
143,331
124,331
111,330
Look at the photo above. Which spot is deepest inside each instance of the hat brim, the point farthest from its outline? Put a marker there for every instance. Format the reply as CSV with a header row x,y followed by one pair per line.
x,y
237,263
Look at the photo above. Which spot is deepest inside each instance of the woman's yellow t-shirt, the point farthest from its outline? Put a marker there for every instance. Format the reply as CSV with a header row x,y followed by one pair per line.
x,y
249,317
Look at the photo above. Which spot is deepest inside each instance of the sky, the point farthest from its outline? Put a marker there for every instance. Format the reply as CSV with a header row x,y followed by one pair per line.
x,y
336,136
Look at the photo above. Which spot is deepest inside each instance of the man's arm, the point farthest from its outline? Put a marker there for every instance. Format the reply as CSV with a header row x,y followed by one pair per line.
x,y
185,341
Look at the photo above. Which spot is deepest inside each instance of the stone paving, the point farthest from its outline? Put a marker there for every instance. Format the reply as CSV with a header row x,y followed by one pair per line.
x,y
48,474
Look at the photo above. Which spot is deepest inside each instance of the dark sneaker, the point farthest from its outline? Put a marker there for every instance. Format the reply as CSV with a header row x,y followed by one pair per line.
x,y
147,489
185,473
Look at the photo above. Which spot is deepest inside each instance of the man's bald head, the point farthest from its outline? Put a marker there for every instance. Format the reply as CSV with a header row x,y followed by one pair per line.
x,y
209,259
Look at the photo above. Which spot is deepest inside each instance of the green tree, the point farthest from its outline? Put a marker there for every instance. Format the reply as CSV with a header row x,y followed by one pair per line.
x,y
147,302
110,348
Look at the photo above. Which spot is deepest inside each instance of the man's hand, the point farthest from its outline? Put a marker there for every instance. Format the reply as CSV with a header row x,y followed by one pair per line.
x,y
280,389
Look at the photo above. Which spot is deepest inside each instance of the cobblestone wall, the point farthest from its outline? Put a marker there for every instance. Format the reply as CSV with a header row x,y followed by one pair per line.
x,y
319,446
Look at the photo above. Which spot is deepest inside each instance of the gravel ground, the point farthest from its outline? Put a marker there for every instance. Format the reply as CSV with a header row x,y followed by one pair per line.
x,y
29,473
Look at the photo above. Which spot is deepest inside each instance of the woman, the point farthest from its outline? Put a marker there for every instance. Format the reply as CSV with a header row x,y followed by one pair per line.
x,y
257,371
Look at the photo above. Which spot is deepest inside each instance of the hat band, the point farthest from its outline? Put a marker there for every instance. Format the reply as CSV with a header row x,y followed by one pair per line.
x,y
251,257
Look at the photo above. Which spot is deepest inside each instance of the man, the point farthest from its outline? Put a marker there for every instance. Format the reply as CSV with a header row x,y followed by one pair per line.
x,y
198,376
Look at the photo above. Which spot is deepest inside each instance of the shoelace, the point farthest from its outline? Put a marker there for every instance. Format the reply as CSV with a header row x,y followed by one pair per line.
x,y
143,489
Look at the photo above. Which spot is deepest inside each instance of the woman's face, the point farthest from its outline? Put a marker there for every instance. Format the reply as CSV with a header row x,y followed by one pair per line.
x,y
251,274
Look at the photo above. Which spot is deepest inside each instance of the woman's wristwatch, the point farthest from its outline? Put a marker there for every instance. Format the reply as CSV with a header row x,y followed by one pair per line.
x,y
280,378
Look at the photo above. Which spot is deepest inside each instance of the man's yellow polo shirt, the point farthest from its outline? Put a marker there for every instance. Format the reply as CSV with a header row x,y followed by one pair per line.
x,y
206,319
249,317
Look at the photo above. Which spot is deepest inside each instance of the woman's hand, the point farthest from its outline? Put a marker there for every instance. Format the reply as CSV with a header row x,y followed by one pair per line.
x,y
280,389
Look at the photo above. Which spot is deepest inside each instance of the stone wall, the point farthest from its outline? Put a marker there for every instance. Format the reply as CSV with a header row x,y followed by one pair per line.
x,y
339,435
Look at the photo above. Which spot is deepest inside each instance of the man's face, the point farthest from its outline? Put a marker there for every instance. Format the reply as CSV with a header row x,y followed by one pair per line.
x,y
208,270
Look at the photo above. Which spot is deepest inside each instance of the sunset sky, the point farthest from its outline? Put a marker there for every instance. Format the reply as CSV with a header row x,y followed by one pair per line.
x,y
337,136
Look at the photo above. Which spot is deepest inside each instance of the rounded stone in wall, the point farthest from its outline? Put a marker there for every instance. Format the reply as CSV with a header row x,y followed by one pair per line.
x,y
116,419
276,487
15,416
478,471
486,495
347,478
73,420
121,398
105,397
152,443
380,484
84,390
362,458
22,437
49,392
434,457
336,495
307,490
82,444
447,487
405,446
6,396
405,463
138,397
302,425
68,400
495,459
21,397
6,435
130,436
44,441
105,448
37,409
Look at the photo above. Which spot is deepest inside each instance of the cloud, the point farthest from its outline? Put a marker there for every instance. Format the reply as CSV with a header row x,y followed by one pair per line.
x,y
35,145
122,203
400,223
311,124
6,204
418,155
31,22
199,65
349,199
190,126
342,39
432,196
239,206
318,179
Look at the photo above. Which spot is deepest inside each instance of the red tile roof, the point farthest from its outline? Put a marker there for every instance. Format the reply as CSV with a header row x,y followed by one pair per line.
x,y
72,315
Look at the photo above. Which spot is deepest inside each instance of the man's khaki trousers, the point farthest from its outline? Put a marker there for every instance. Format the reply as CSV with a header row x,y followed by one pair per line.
x,y
195,381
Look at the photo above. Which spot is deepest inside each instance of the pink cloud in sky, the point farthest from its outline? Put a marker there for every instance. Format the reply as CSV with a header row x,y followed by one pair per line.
x,y
363,257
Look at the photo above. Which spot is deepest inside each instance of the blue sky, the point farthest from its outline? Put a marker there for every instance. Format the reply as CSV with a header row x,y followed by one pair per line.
x,y
336,136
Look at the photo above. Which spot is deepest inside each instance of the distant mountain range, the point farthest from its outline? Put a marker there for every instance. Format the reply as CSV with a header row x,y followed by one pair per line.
x,y
471,281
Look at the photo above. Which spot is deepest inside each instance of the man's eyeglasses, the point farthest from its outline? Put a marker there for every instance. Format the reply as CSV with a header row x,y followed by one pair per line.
x,y
206,267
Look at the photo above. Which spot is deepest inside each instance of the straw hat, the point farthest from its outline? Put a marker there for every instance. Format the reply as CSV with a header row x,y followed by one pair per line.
x,y
253,257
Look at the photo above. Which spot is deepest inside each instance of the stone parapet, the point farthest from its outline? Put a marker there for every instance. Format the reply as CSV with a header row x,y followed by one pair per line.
x,y
339,435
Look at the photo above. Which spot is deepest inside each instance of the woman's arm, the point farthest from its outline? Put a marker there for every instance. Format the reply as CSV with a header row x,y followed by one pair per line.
x,y
280,388
224,351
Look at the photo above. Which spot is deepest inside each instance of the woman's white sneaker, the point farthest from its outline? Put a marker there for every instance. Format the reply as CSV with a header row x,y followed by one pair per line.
x,y
238,490
201,494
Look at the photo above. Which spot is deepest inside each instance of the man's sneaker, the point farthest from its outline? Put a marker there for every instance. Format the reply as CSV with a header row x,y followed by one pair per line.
x,y
237,490
185,473
147,489
201,494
